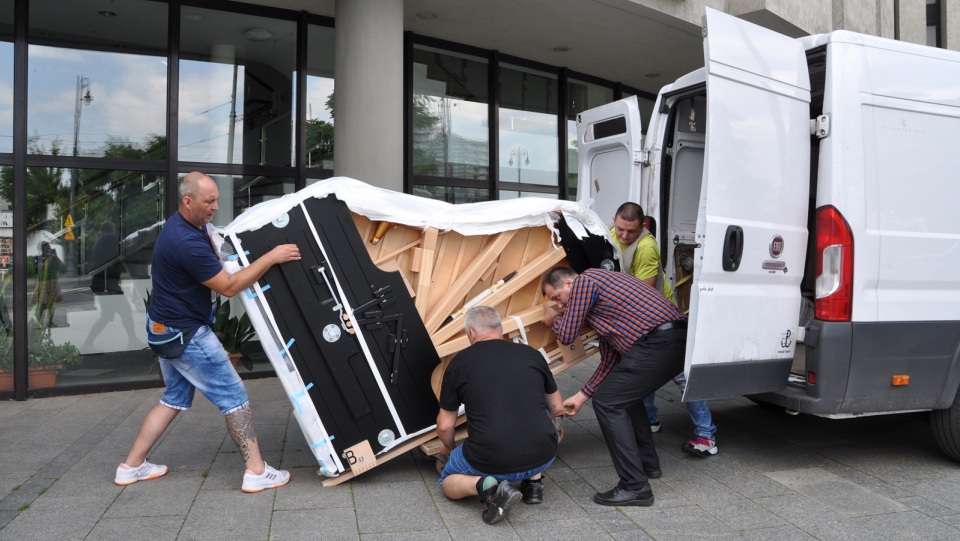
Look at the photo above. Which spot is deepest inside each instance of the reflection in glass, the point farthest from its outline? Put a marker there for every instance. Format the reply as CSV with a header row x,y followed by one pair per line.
x,y
580,97
450,121
236,88
88,323
320,97
107,89
6,76
6,281
528,126
238,193
513,194
452,194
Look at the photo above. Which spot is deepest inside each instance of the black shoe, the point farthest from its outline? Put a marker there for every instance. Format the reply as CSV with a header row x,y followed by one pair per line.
x,y
654,473
623,497
500,502
532,491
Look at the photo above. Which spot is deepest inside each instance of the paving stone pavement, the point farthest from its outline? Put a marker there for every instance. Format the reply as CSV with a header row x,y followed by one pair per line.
x,y
776,477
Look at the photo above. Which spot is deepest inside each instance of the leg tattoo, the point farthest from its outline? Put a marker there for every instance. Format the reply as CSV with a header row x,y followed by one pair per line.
x,y
240,428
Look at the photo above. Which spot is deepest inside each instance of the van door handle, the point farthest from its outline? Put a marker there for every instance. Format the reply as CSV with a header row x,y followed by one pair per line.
x,y
732,248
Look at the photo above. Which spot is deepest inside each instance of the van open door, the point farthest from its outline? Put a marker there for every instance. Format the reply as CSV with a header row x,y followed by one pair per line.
x,y
751,224
608,147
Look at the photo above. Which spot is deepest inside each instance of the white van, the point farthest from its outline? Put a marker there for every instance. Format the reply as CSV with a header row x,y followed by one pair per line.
x,y
805,194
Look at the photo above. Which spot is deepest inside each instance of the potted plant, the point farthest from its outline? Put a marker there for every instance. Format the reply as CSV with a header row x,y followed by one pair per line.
x,y
234,332
45,358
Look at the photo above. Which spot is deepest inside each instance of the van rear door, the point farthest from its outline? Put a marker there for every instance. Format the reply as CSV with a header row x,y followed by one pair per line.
x,y
608,145
751,224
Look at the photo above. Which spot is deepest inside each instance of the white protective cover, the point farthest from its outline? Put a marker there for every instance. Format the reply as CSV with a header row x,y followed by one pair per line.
x,y
485,218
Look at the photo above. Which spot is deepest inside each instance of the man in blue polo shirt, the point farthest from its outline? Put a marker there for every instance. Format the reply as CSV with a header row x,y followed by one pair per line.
x,y
187,277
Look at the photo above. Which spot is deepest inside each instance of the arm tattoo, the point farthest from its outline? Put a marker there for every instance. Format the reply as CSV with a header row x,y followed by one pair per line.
x,y
240,428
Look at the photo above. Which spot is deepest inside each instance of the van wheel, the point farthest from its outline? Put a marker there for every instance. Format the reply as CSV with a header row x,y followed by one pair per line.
x,y
945,424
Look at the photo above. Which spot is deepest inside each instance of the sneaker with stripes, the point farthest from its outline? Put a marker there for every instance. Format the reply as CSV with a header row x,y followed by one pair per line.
x,y
270,478
144,472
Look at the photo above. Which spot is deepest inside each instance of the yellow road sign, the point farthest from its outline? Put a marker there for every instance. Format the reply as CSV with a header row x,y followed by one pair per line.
x,y
69,222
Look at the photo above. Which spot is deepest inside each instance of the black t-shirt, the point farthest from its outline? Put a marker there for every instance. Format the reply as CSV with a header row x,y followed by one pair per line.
x,y
502,385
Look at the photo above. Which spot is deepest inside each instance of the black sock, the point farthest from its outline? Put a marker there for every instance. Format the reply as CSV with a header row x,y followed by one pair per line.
x,y
486,487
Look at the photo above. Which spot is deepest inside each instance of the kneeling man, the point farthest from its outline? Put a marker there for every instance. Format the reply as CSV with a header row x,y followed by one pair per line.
x,y
510,398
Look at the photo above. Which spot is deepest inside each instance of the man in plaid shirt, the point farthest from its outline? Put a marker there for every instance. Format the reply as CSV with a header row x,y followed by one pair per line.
x,y
642,346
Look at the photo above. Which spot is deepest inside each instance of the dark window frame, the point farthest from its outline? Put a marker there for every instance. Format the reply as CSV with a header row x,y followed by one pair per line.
x,y
934,19
494,59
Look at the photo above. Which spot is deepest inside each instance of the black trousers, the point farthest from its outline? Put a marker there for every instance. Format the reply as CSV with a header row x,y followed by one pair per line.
x,y
618,403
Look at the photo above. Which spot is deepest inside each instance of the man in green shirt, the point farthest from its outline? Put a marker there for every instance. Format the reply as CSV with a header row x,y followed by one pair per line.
x,y
639,248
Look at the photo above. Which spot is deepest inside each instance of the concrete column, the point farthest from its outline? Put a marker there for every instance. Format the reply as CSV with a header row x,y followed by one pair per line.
x,y
874,17
369,91
912,21
950,25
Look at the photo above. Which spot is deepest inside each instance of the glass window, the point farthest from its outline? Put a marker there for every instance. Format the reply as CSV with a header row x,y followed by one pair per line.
x,y
107,87
87,283
513,194
236,88
451,133
238,193
320,98
529,103
6,278
6,76
452,194
580,97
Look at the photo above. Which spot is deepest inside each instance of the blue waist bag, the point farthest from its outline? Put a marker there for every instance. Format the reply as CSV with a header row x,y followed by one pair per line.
x,y
171,342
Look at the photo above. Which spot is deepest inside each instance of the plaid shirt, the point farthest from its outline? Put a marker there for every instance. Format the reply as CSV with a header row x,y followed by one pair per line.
x,y
621,308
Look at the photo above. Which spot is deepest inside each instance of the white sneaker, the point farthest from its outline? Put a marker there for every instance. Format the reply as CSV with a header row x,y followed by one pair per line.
x,y
144,472
270,478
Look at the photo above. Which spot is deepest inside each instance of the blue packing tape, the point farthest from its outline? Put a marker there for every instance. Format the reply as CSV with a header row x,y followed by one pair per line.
x,y
321,443
286,348
296,397
237,256
251,292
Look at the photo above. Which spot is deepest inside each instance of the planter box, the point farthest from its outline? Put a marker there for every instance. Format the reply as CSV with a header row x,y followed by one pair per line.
x,y
37,376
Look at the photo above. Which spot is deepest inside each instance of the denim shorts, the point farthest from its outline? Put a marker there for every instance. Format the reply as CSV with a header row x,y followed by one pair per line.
x,y
458,464
204,366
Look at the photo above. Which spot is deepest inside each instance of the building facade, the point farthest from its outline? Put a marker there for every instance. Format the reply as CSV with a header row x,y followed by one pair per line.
x,y
106,104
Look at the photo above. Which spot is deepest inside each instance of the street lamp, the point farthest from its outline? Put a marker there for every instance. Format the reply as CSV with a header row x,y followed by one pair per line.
x,y
523,158
83,98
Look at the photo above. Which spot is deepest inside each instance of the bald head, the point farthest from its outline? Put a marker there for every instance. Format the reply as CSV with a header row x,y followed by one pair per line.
x,y
198,198
190,183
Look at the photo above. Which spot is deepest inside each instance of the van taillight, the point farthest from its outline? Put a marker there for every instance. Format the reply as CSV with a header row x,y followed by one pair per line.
x,y
834,286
